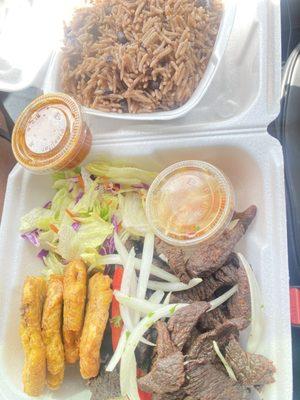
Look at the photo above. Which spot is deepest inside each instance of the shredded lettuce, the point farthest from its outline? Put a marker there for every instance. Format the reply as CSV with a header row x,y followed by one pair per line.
x,y
90,235
38,218
122,175
48,240
53,265
133,214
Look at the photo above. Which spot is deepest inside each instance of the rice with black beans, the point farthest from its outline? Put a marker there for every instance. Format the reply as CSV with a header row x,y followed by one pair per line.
x,y
138,56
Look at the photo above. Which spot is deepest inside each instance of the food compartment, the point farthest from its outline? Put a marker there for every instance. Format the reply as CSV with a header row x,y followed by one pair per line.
x,y
254,165
229,98
52,82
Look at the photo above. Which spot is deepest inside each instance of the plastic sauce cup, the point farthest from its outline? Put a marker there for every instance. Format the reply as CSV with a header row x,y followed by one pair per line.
x,y
189,203
51,134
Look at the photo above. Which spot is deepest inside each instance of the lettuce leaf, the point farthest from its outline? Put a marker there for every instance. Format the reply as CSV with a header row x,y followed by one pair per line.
x,y
133,215
122,175
91,234
48,240
37,218
53,265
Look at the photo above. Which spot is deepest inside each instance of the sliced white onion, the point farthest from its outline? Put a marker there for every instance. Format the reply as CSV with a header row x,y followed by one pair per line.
x,y
257,316
127,317
146,263
142,306
118,352
156,297
121,249
221,299
133,287
173,287
122,257
167,299
128,357
128,384
224,362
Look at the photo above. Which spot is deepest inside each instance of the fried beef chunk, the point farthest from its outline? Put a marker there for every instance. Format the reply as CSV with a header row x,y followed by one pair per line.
x,y
175,257
184,320
226,276
239,305
249,369
207,382
167,374
201,348
207,259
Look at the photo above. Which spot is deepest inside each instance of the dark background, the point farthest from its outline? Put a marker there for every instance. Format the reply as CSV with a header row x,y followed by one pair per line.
x,y
290,22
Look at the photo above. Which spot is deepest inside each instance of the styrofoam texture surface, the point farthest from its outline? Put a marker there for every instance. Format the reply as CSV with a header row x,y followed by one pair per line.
x,y
254,164
245,90
52,78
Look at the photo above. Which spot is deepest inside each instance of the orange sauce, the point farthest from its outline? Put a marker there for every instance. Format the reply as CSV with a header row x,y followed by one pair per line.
x,y
51,134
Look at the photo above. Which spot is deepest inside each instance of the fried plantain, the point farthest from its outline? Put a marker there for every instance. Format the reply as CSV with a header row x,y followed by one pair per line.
x,y
34,371
97,313
51,331
75,287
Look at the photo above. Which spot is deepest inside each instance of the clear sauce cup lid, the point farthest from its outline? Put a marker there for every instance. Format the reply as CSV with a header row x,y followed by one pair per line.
x,y
190,202
51,134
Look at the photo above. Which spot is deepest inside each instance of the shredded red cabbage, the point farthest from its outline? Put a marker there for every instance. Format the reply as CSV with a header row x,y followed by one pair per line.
x,y
108,247
79,196
32,237
76,226
141,186
114,221
42,254
48,205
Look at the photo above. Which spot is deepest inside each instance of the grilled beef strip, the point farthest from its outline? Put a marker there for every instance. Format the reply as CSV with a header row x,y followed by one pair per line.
x,y
181,324
167,374
250,369
201,348
239,305
175,257
206,259
226,276
205,381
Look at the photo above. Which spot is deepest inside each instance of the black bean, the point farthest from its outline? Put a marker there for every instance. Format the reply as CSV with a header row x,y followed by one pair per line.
x,y
121,37
202,3
108,10
109,59
106,92
154,84
124,105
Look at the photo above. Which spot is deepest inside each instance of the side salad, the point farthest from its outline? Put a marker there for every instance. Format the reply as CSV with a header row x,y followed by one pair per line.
x,y
90,204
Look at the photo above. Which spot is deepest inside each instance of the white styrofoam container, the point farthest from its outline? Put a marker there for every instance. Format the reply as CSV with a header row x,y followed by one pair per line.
x,y
255,166
228,129
52,83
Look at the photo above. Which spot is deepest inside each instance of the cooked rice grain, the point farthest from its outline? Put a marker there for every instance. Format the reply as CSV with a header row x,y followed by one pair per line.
x,y
138,56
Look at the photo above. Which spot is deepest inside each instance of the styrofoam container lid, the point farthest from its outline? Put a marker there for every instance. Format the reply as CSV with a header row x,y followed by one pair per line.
x,y
52,83
29,31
